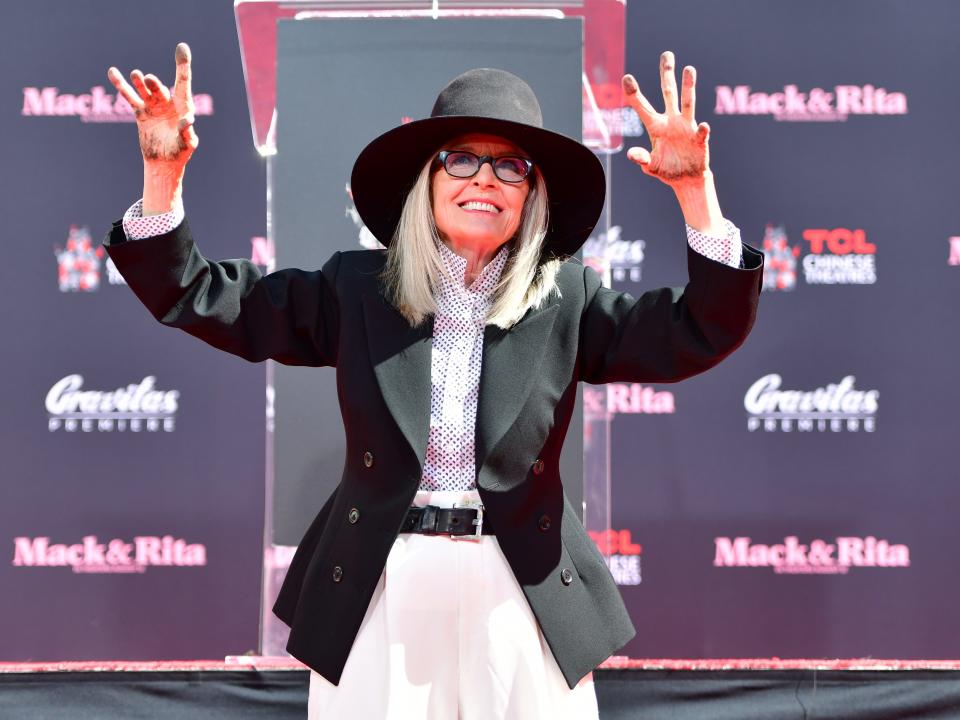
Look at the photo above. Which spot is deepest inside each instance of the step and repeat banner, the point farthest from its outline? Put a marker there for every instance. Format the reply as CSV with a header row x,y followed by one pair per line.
x,y
133,456
799,499
795,501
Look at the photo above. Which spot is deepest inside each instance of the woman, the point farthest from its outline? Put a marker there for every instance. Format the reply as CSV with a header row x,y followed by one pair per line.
x,y
458,353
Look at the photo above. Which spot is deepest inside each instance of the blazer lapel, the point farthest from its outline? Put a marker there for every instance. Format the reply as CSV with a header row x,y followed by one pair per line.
x,y
511,362
401,362
401,358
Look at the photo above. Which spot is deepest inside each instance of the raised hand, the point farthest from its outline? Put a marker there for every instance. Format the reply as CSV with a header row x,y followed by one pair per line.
x,y
679,151
164,119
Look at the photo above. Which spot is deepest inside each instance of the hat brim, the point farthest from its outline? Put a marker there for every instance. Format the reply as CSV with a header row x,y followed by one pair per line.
x,y
388,166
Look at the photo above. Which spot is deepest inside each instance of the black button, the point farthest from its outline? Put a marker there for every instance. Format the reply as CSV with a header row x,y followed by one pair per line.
x,y
368,458
545,522
353,516
566,577
538,467
337,573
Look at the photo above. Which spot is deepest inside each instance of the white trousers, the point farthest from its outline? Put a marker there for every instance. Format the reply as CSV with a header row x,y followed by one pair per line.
x,y
449,635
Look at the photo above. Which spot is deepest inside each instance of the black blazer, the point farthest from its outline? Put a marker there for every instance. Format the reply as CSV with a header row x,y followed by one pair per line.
x,y
338,316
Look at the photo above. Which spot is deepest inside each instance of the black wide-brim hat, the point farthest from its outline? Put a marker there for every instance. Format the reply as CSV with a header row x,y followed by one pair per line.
x,y
495,102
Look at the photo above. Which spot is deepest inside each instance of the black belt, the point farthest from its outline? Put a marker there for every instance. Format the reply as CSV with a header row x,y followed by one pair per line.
x,y
456,522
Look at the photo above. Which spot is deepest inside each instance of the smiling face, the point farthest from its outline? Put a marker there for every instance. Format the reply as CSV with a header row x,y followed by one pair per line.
x,y
481,212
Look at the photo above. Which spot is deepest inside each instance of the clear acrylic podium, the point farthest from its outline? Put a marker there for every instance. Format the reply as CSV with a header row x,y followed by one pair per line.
x,y
603,66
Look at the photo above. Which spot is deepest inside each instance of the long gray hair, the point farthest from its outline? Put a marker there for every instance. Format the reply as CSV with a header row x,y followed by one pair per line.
x,y
414,264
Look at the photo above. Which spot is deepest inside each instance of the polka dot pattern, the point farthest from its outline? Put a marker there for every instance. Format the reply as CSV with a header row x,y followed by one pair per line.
x,y
727,250
138,227
455,372
457,343
458,354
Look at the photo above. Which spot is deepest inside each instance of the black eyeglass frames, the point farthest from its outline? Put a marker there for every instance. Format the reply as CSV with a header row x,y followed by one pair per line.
x,y
464,164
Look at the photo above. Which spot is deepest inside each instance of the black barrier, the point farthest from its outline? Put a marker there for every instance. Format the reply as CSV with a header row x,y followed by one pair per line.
x,y
621,694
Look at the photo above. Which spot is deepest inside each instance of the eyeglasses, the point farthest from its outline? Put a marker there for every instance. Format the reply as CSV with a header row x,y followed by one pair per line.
x,y
463,164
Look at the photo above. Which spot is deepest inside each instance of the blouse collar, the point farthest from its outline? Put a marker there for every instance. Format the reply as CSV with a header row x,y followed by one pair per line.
x,y
452,284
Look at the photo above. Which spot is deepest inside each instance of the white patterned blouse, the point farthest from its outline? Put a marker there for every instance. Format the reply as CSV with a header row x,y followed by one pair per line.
x,y
457,344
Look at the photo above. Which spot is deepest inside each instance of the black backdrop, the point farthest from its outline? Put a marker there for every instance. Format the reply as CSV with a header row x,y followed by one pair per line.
x,y
198,478
831,426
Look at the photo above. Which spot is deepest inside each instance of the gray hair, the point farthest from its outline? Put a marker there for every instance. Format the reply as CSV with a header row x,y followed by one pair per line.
x,y
414,264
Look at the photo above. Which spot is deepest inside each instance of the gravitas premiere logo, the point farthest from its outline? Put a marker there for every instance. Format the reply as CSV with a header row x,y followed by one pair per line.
x,y
835,256
837,407
817,557
614,258
95,106
114,556
134,408
816,105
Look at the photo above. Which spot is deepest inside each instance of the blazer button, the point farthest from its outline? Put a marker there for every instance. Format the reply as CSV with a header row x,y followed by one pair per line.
x,y
545,522
353,516
337,573
566,577
368,459
538,467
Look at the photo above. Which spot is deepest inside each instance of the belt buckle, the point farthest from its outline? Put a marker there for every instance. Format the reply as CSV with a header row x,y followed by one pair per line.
x,y
475,505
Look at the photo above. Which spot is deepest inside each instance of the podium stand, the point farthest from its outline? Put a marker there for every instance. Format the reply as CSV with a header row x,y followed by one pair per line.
x,y
323,79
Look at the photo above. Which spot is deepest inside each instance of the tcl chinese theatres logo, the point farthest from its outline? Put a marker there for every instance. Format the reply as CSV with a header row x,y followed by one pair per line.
x,y
835,256
621,553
